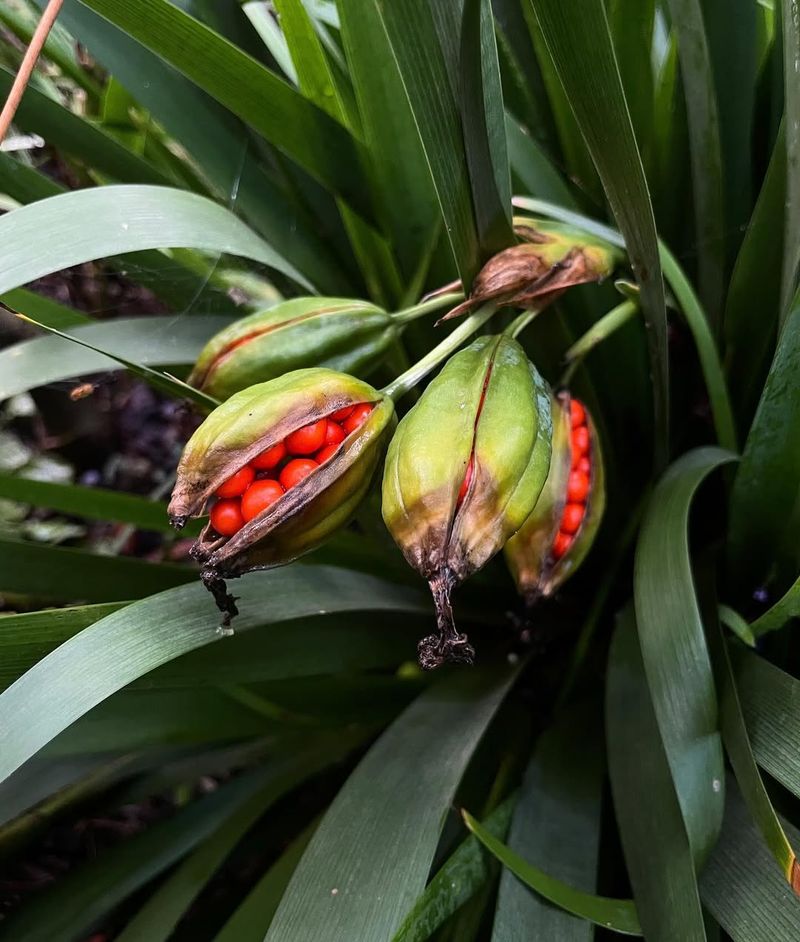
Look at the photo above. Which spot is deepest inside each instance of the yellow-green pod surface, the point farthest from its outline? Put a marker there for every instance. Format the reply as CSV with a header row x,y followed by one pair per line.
x,y
488,410
254,420
336,333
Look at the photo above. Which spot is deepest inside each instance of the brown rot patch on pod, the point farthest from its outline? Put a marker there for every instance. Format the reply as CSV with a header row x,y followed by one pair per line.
x,y
278,468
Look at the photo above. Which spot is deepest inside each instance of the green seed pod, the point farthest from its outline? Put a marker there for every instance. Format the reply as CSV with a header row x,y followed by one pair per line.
x,y
551,258
463,471
246,426
336,333
541,555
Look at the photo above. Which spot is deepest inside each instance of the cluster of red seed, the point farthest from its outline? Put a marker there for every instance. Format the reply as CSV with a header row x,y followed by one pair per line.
x,y
269,475
579,483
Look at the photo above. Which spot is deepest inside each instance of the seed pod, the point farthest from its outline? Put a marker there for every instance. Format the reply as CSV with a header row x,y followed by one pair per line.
x,y
306,508
336,333
463,471
551,258
553,541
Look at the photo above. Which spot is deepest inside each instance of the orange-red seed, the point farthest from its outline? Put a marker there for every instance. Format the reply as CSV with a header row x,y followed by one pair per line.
x,y
577,414
226,517
327,452
577,487
357,418
334,433
307,440
237,483
341,414
584,465
561,544
259,496
580,439
572,517
296,470
270,458
462,491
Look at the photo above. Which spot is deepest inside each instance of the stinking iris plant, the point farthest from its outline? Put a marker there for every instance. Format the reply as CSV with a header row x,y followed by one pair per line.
x,y
488,457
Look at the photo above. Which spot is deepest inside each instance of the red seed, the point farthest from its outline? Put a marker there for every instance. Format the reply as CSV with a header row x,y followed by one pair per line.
x,y
327,452
296,470
226,517
307,440
577,414
580,440
572,517
270,458
237,483
561,544
333,433
584,464
462,492
359,416
341,414
259,496
577,487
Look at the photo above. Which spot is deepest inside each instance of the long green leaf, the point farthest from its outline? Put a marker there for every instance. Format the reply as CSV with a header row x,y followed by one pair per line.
x,y
791,239
737,745
220,145
81,139
43,309
123,646
167,342
578,38
163,382
267,103
762,531
368,861
483,121
674,648
76,575
156,920
705,151
533,169
770,701
690,305
755,286
411,29
654,839
741,886
69,909
399,164
124,219
617,914
556,826
788,606
251,920
97,503
455,882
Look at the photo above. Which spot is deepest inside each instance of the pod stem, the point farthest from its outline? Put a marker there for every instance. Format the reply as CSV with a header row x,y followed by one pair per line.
x,y
406,381
408,314
448,645
226,602
520,322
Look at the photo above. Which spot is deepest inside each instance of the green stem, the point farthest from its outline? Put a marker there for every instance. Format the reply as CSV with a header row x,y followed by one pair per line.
x,y
406,381
686,298
596,334
520,322
408,314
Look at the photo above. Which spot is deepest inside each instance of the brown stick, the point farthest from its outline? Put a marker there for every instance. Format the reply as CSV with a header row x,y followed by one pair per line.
x,y
28,62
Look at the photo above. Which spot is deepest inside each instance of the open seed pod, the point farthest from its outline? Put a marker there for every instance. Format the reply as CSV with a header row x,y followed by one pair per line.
x,y
554,540
269,448
337,333
463,471
550,258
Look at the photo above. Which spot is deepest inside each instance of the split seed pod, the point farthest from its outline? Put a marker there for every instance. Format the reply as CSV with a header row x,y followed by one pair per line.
x,y
248,425
464,470
550,258
336,333
554,540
